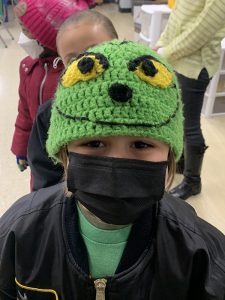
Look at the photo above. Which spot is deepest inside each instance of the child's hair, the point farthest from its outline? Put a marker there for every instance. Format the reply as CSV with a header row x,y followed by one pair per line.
x,y
117,89
42,18
91,17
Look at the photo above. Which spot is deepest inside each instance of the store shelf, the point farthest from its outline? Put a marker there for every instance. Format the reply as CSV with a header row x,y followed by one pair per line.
x,y
222,94
144,40
214,101
153,20
136,10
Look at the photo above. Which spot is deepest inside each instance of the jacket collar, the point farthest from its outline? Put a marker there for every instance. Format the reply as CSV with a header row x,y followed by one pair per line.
x,y
51,61
140,239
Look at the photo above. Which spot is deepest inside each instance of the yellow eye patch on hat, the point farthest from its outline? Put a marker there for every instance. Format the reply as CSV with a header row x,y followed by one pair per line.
x,y
83,68
147,68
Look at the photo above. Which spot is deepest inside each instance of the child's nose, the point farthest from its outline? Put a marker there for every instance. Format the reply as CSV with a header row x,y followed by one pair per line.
x,y
118,152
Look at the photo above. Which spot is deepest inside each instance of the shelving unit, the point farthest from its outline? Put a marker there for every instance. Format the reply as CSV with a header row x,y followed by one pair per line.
x,y
136,10
214,101
153,21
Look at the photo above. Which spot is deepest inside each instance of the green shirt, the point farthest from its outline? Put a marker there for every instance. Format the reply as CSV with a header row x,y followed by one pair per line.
x,y
104,247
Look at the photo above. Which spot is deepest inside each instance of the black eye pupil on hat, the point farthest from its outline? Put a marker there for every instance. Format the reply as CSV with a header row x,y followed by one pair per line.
x,y
85,65
149,68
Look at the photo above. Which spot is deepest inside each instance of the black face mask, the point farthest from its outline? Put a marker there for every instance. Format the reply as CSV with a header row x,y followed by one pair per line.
x,y
116,190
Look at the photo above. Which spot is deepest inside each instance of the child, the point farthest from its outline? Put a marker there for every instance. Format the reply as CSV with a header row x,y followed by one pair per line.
x,y
39,72
80,31
117,119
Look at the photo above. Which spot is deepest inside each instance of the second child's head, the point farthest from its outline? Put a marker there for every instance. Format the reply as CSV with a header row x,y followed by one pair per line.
x,y
118,114
81,31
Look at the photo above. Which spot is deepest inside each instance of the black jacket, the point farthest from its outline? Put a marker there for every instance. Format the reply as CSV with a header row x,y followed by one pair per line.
x,y
171,254
44,171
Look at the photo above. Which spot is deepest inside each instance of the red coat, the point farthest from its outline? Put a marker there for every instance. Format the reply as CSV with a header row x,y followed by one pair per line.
x,y
38,82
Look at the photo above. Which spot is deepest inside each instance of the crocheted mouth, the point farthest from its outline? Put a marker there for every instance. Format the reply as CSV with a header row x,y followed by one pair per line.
x,y
110,123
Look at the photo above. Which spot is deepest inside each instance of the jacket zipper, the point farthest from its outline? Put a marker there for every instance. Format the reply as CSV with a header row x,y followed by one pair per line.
x,y
56,61
42,84
100,286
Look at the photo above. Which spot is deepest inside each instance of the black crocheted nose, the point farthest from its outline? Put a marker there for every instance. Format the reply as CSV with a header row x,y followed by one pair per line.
x,y
120,92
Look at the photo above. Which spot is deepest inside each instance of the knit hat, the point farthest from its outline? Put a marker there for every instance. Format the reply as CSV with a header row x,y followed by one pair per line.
x,y
44,17
117,89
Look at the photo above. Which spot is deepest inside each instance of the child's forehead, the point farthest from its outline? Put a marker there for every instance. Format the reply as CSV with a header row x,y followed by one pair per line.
x,y
76,40
82,29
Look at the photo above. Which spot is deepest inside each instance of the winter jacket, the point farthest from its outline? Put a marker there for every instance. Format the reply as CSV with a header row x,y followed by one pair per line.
x,y
38,82
44,171
171,254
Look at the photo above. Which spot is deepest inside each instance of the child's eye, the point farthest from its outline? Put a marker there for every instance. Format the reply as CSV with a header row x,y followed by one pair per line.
x,y
94,144
141,145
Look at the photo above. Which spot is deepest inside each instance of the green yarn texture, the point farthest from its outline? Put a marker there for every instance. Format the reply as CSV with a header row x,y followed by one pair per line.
x,y
86,109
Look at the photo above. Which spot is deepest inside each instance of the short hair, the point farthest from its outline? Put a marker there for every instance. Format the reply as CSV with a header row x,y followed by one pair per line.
x,y
92,17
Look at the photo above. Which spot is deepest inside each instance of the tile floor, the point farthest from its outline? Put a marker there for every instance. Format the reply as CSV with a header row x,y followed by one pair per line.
x,y
210,204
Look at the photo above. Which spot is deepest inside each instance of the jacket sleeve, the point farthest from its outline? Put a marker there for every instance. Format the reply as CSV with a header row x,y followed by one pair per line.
x,y
7,270
44,171
190,254
209,21
10,240
23,123
207,264
207,278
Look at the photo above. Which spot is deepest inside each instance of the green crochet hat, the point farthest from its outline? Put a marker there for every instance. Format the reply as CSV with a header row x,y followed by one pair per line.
x,y
117,89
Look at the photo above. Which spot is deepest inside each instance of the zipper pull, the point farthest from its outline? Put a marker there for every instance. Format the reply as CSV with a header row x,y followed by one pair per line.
x,y
100,285
55,62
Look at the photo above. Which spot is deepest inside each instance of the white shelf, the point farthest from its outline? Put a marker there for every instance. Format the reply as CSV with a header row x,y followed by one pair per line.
x,y
153,21
149,9
144,38
220,94
214,101
218,114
